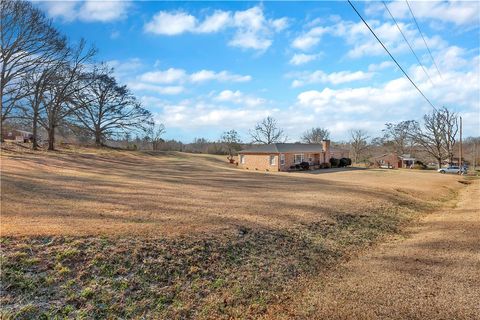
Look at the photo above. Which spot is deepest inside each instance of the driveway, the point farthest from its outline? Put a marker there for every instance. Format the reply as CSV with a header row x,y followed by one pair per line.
x,y
433,273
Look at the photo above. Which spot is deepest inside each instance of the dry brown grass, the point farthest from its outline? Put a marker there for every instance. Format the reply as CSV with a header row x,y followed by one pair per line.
x,y
118,192
432,274
109,233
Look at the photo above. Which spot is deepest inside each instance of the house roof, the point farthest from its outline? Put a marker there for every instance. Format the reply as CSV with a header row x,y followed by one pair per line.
x,y
406,157
284,148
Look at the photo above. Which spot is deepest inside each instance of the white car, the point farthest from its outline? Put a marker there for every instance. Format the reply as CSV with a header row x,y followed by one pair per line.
x,y
451,169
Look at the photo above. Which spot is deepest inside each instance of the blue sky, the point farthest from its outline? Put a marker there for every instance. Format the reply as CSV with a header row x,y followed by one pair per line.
x,y
206,67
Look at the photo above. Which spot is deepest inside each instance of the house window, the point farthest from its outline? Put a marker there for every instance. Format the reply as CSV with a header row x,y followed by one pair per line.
x,y
282,159
298,158
242,159
272,160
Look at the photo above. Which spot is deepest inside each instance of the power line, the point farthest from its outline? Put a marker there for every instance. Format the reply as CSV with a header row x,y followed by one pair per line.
x,y
405,38
380,41
424,41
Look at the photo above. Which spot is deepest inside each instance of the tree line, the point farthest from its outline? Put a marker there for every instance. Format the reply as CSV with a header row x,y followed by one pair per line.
x,y
47,82
436,137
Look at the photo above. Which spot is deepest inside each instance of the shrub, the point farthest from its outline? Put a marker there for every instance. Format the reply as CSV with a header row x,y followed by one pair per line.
x,y
419,165
325,165
334,162
343,162
304,165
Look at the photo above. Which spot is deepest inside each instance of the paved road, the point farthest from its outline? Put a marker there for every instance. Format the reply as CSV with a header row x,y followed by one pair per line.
x,y
433,274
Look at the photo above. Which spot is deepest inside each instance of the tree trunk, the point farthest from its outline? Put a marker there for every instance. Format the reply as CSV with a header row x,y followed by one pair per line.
x,y
439,163
1,112
98,139
1,129
51,138
35,131
450,156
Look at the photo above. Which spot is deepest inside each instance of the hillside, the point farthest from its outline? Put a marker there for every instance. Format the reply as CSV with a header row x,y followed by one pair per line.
x,y
121,233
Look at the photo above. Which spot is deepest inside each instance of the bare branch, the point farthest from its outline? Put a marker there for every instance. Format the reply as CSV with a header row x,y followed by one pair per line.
x,y
267,132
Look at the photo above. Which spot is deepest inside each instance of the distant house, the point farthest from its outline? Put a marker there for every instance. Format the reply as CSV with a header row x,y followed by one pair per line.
x,y
394,161
17,135
282,156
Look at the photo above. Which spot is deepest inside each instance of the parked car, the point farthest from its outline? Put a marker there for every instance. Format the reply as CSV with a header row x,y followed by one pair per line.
x,y
452,169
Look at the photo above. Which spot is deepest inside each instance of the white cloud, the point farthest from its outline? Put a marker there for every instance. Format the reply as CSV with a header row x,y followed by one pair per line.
x,y
123,69
280,24
66,10
172,81
302,58
216,22
252,29
238,97
363,43
103,11
88,10
229,95
222,76
319,76
163,90
309,39
201,114
369,107
460,13
380,66
171,23
171,75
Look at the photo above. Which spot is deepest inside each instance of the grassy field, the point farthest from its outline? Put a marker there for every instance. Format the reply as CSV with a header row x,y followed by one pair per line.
x,y
106,233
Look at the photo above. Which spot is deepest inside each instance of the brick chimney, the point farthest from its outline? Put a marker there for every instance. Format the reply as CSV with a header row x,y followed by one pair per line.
x,y
326,150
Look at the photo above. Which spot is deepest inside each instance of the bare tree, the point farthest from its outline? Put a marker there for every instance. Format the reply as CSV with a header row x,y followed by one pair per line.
x,y
157,132
437,137
398,136
449,130
199,145
103,107
27,40
64,85
358,143
315,135
232,141
267,132
37,84
471,146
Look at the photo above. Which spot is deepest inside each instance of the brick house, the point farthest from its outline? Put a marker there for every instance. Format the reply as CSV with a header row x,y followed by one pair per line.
x,y
393,161
17,135
281,156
